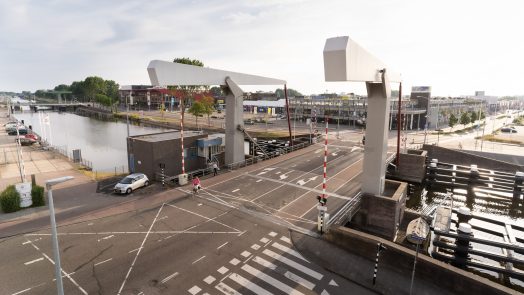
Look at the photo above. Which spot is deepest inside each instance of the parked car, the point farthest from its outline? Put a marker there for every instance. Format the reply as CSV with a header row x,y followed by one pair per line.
x,y
130,183
21,131
249,122
508,130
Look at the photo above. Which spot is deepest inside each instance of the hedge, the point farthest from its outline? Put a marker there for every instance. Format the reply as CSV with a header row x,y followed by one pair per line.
x,y
10,199
37,195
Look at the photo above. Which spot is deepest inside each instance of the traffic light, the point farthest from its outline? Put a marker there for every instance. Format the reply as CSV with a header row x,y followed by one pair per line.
x,y
322,200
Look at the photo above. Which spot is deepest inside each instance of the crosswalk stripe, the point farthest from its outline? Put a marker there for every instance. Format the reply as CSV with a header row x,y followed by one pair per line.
x,y
270,280
226,289
247,284
285,239
287,274
289,251
293,264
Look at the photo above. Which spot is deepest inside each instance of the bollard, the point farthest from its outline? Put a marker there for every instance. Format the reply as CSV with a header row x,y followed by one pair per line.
x,y
462,245
517,186
464,215
432,174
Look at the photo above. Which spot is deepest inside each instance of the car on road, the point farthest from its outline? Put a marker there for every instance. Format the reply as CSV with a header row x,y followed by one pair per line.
x,y
130,183
508,130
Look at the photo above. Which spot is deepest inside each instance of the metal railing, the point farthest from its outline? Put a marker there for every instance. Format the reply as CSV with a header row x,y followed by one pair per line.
x,y
267,156
346,213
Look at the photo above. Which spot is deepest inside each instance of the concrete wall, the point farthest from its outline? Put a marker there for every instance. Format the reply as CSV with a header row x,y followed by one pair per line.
x,y
464,158
398,261
412,166
381,215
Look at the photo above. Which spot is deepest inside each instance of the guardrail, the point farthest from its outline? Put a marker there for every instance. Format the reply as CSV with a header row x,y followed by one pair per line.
x,y
268,156
342,216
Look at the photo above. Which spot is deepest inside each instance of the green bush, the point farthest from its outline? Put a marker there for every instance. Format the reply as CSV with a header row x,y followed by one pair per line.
x,y
10,200
37,195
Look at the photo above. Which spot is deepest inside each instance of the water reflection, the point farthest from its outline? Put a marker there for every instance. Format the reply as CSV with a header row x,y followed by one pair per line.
x,y
101,142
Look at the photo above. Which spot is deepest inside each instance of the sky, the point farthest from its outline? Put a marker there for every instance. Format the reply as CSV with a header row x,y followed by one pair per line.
x,y
456,47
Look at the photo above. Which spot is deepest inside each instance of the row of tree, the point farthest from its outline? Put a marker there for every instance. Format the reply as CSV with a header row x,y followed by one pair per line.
x,y
465,118
92,89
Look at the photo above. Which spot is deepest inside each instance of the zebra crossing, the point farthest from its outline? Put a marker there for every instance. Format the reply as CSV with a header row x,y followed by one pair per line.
x,y
270,266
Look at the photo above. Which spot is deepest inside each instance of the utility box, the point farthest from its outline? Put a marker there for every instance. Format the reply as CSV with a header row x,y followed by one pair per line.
x,y
182,179
77,156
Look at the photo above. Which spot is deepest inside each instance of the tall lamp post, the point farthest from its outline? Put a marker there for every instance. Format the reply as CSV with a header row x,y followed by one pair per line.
x,y
49,186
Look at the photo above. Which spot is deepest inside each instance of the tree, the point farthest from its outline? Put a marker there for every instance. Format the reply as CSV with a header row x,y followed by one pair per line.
x,y
187,92
209,106
216,91
290,92
62,87
464,119
197,109
103,100
92,86
473,116
452,121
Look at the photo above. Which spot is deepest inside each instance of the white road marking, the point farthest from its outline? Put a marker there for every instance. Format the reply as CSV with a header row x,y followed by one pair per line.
x,y
259,180
222,245
33,261
289,251
194,290
242,233
333,283
144,232
293,264
199,259
222,270
20,292
245,253
324,292
255,247
139,250
278,172
248,285
106,238
225,289
270,280
235,190
26,243
273,234
209,279
264,240
62,269
285,239
205,217
288,274
103,261
234,261
90,223
169,277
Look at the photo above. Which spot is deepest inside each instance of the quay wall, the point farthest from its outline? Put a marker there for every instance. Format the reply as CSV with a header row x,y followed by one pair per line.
x,y
460,157
399,261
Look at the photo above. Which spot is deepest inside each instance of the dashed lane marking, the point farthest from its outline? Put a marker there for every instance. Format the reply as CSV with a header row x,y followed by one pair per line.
x,y
107,260
222,270
199,259
33,261
169,277
222,245
194,290
235,190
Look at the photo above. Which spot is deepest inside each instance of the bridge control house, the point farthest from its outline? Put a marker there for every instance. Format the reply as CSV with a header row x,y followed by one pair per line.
x,y
150,152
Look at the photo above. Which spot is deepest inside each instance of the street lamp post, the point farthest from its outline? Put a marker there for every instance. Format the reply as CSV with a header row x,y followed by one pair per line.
x,y
49,185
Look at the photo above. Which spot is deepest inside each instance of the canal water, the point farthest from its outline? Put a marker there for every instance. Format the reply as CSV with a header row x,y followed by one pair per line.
x,y
103,143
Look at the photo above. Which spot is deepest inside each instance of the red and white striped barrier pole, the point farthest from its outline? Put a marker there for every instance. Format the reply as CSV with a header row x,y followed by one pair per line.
x,y
325,161
182,142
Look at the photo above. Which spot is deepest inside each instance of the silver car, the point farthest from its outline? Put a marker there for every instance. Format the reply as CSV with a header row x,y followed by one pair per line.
x,y
131,183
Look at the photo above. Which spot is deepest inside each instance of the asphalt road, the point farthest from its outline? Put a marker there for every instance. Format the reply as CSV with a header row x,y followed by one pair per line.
x,y
232,238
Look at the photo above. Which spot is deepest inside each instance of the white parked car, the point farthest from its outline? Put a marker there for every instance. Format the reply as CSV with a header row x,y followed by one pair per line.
x,y
131,183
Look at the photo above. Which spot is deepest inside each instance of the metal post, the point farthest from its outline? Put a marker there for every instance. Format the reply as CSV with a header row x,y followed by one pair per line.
x,y
380,247
413,273
58,275
288,119
399,124
54,238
